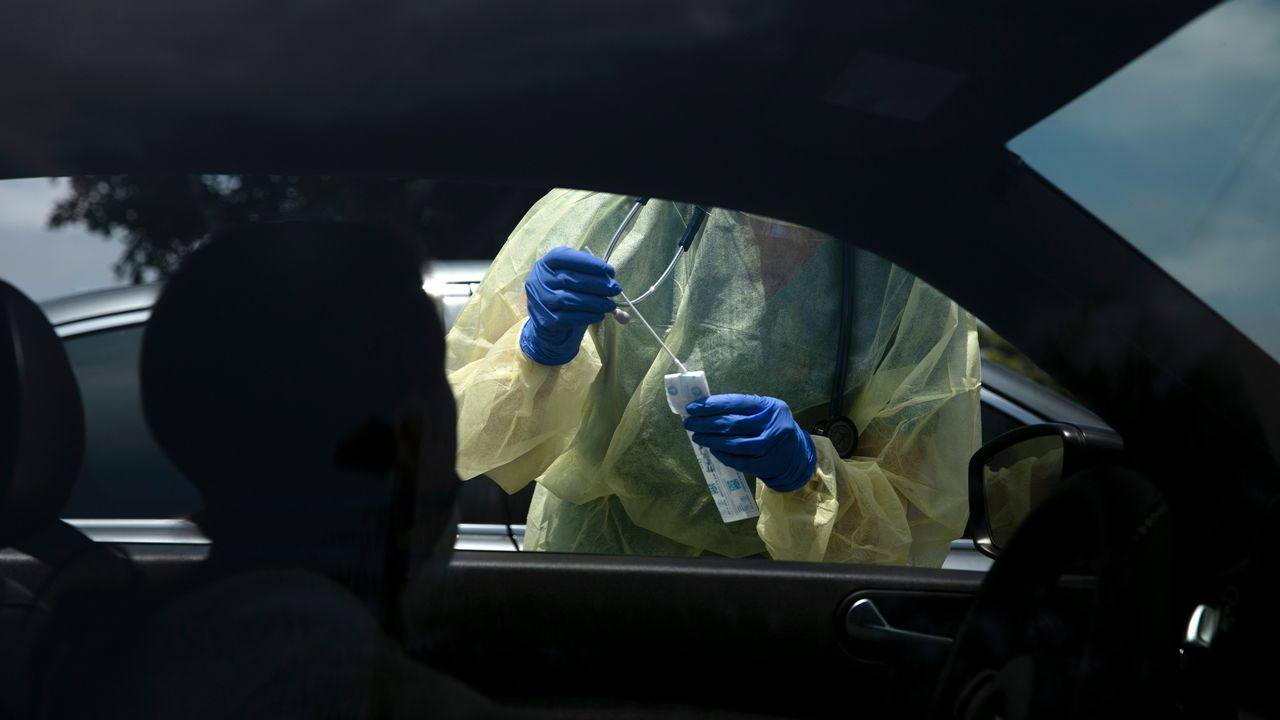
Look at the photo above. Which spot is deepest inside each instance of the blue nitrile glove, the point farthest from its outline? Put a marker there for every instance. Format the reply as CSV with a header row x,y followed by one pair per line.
x,y
566,291
756,435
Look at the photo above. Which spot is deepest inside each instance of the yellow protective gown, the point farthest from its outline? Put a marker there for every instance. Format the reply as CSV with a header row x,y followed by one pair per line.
x,y
755,303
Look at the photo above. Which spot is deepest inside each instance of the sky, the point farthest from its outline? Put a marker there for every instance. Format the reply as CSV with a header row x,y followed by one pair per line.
x,y
45,263
1180,154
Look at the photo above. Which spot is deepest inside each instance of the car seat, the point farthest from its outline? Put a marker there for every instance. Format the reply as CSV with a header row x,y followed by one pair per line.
x,y
41,447
294,373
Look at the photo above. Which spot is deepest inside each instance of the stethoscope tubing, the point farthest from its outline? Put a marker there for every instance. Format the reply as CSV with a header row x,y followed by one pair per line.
x,y
681,248
846,314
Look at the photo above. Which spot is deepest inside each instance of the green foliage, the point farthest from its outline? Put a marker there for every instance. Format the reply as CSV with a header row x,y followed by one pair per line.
x,y
162,218
998,350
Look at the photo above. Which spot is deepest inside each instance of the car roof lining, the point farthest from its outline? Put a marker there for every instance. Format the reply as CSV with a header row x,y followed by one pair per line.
x,y
543,92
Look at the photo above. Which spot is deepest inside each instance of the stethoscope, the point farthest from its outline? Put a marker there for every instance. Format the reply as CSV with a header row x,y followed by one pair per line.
x,y
686,241
837,428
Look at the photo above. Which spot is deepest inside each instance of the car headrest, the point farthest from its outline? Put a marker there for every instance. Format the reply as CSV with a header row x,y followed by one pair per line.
x,y
276,352
41,420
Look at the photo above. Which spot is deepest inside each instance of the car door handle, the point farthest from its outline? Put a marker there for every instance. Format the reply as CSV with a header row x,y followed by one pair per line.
x,y
872,638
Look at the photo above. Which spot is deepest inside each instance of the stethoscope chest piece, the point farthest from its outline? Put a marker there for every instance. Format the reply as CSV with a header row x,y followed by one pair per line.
x,y
842,433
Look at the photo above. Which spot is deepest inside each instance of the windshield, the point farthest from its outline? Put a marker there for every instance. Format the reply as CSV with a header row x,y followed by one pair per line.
x,y
1179,152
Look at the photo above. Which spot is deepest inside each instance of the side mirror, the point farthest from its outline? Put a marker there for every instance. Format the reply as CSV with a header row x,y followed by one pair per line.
x,y
1011,475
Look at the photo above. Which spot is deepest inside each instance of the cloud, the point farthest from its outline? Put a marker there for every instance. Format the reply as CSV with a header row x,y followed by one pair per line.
x,y
26,203
46,263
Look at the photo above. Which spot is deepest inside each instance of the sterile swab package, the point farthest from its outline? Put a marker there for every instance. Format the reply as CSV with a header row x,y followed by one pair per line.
x,y
733,495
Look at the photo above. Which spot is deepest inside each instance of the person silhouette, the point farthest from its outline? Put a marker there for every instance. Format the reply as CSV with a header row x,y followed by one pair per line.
x,y
294,372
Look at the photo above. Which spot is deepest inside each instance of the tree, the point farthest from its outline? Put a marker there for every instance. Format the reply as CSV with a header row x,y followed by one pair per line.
x,y
161,218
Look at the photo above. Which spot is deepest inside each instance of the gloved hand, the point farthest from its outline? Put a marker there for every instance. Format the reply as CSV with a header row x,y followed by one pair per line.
x,y
566,291
756,435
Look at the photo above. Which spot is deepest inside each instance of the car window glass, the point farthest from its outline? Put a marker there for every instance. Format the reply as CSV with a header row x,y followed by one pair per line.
x,y
763,319
124,474
1179,152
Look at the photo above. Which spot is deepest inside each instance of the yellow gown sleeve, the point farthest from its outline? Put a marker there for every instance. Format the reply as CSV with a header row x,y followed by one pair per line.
x,y
904,496
515,416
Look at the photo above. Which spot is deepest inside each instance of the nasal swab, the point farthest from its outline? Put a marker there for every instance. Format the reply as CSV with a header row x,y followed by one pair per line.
x,y
649,327
729,488
674,359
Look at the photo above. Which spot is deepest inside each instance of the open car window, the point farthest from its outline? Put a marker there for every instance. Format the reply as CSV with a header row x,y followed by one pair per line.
x,y
755,304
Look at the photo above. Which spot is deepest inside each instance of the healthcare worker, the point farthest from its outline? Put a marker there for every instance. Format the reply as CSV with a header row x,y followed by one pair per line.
x,y
551,389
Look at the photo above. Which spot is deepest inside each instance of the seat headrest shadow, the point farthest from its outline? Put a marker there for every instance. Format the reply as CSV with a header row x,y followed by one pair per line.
x,y
41,420
273,346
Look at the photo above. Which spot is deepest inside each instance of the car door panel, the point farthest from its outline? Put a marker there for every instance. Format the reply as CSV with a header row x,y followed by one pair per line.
x,y
749,635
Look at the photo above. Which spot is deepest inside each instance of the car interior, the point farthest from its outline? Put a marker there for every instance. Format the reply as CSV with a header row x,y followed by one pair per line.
x,y
1138,578
982,636
44,439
